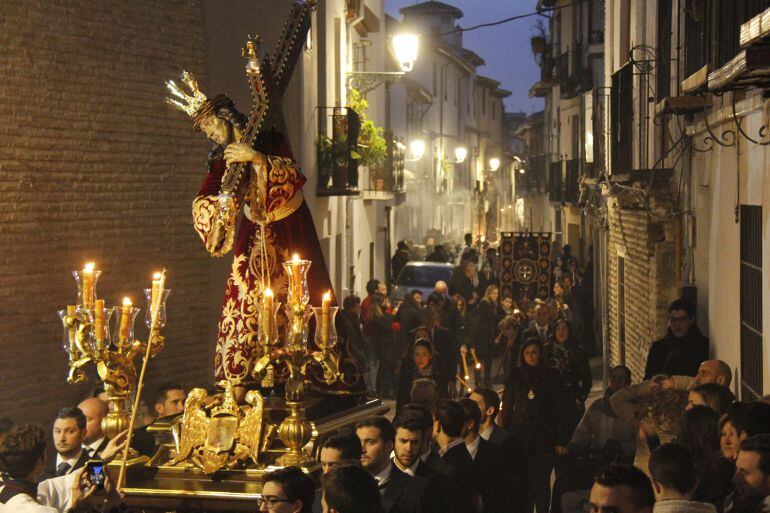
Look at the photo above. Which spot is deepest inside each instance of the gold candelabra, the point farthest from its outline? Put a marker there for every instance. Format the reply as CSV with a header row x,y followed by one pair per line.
x,y
295,431
89,339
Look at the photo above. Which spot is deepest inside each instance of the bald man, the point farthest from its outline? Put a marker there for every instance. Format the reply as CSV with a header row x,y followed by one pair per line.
x,y
95,410
441,288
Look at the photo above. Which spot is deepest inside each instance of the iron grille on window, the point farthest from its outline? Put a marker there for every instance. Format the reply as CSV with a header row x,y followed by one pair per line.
x,y
751,303
556,182
622,119
726,19
697,43
571,177
663,58
337,170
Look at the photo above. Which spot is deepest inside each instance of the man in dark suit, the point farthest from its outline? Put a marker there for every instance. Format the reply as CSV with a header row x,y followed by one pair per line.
x,y
410,428
489,405
169,401
95,410
491,471
400,491
443,341
540,327
69,431
336,451
448,423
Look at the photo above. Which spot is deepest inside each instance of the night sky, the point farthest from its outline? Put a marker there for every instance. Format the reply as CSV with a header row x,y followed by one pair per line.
x,y
505,48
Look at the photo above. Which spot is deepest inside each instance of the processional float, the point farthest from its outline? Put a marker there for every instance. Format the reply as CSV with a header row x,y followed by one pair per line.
x,y
214,455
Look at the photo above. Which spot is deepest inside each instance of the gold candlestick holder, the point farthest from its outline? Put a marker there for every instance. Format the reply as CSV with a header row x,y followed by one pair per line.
x,y
112,354
326,339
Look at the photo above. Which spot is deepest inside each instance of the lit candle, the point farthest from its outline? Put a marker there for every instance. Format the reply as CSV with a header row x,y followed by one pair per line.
x,y
88,285
99,319
296,275
125,319
465,365
475,359
156,279
267,313
326,303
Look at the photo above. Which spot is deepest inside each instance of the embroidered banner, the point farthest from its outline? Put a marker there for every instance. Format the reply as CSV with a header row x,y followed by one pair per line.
x,y
525,270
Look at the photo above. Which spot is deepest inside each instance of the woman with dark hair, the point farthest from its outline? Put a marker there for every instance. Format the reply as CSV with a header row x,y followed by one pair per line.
x,y
564,354
567,306
487,317
531,412
463,315
420,365
700,434
384,328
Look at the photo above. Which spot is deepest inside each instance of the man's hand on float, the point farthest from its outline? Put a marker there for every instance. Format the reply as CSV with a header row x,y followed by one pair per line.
x,y
240,152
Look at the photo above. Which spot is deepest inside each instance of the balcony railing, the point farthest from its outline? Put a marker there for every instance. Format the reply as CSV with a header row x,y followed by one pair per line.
x,y
382,182
571,181
556,182
534,177
339,128
621,119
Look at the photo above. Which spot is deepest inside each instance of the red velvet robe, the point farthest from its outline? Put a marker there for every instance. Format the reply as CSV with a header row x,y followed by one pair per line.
x,y
280,194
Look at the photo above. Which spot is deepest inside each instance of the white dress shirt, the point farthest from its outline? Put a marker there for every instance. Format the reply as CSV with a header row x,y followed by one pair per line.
x,y
72,461
473,447
408,470
442,450
92,447
487,432
56,492
383,476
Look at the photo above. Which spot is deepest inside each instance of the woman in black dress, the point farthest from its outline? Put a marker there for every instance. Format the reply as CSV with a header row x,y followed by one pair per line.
x,y
531,412
420,365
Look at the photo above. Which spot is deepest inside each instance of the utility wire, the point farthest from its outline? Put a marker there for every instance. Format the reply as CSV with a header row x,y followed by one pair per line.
x,y
512,18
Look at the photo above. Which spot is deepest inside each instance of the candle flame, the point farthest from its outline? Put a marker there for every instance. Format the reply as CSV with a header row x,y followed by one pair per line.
x,y
127,301
478,365
89,267
156,276
467,377
295,259
268,292
327,296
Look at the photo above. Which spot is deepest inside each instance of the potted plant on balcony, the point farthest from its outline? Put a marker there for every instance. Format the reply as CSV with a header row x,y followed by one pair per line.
x,y
372,148
332,160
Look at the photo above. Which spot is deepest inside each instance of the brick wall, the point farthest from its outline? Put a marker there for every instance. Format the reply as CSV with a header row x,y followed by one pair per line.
x,y
648,248
93,166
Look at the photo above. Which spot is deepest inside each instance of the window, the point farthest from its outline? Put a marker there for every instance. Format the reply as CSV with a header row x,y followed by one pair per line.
x,y
622,309
663,64
621,119
696,42
751,303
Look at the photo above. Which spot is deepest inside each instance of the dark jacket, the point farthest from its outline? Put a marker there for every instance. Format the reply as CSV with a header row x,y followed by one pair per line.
x,y
401,493
492,474
677,356
532,402
437,497
409,374
571,362
487,317
515,456
399,260
460,460
50,465
446,345
408,317
349,326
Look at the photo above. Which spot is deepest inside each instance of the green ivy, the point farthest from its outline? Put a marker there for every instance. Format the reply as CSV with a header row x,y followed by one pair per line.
x,y
372,148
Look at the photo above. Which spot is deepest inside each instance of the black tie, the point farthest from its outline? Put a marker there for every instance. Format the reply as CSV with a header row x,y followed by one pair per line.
x,y
62,468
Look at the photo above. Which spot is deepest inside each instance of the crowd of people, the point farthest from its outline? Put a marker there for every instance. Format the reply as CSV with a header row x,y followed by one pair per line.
x,y
675,442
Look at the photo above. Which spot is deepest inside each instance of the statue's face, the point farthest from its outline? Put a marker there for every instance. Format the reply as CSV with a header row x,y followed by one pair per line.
x,y
216,129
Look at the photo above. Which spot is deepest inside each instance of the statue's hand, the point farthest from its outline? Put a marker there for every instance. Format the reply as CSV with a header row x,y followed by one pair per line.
x,y
240,152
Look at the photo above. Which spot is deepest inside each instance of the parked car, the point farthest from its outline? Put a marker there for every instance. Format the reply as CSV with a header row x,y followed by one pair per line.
x,y
421,276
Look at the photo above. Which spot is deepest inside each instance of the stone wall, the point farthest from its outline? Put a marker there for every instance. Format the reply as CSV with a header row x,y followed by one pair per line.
x,y
646,243
93,166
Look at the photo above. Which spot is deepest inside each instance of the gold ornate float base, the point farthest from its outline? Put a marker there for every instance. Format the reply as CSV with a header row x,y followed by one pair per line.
x,y
158,487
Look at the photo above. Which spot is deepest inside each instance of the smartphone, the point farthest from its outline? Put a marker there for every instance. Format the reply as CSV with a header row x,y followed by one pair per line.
x,y
94,473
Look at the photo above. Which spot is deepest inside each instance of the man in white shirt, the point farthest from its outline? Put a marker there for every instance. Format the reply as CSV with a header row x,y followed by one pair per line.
x,y
95,410
69,432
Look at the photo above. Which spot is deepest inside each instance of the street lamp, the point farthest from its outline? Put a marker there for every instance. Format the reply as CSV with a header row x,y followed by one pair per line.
x,y
406,47
460,154
494,164
417,149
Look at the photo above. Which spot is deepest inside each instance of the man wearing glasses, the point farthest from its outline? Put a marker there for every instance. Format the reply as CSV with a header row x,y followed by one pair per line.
x,y
684,347
287,490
